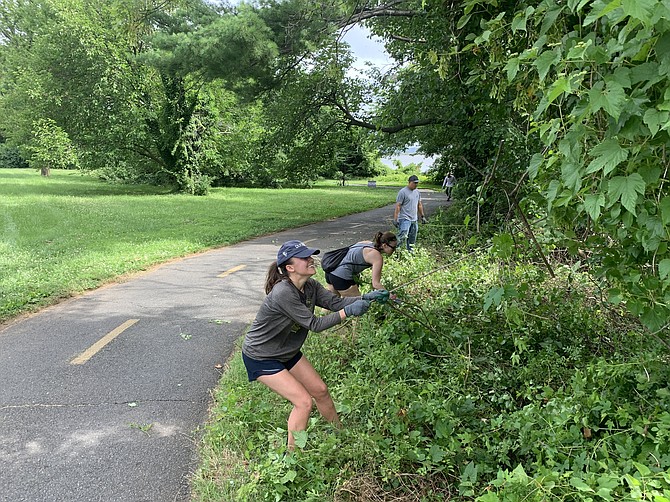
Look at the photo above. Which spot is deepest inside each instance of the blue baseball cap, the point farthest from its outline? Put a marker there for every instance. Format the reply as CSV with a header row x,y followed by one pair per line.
x,y
294,249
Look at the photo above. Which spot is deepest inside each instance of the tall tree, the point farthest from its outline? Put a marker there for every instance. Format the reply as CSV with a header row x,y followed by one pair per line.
x,y
140,88
586,82
69,61
419,102
202,57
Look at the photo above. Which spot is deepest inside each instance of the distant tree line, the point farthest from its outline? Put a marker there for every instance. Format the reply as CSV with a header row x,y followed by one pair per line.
x,y
181,92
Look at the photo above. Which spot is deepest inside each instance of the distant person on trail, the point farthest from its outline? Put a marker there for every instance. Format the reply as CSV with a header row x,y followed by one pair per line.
x,y
362,255
271,350
408,209
448,184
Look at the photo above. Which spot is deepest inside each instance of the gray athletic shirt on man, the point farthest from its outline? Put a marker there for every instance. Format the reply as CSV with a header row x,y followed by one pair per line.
x,y
282,323
409,203
353,263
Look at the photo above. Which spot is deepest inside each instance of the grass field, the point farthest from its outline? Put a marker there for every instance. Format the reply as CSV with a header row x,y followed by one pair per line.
x,y
70,232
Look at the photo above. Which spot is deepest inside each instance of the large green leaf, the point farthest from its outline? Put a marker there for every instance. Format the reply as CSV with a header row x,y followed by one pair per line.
x,y
664,268
580,485
534,165
512,68
639,9
601,9
647,72
550,18
519,21
557,88
593,203
571,174
664,206
656,120
614,99
610,97
545,61
654,318
606,156
621,75
627,189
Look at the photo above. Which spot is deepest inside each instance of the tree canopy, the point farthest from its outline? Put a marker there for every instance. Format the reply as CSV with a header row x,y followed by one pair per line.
x,y
551,113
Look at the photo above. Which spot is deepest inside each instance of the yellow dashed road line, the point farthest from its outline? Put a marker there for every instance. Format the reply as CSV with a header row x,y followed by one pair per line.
x,y
232,270
97,346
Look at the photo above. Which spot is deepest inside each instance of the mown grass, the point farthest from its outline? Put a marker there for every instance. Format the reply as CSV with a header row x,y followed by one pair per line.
x,y
70,232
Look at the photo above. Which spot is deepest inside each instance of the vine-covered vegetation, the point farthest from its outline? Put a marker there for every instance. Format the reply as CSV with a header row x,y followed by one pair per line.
x,y
461,391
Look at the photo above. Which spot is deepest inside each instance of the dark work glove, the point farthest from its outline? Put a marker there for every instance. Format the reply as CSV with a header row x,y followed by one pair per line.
x,y
396,224
359,307
424,220
378,295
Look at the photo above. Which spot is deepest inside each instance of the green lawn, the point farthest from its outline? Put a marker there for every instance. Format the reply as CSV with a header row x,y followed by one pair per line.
x,y
70,232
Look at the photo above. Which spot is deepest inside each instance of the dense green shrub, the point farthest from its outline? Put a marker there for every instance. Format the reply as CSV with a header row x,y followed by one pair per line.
x,y
480,381
10,157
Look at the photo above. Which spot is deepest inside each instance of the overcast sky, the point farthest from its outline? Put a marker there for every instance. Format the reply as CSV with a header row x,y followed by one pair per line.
x,y
366,48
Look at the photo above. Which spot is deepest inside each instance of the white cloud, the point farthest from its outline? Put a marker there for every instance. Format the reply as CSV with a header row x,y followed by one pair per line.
x,y
369,49
366,48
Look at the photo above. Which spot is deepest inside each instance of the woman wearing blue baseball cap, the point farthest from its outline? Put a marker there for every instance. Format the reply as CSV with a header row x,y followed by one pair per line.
x,y
272,347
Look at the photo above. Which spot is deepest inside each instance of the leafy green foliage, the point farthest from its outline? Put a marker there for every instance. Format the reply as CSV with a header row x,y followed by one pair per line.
x,y
69,63
482,382
306,137
559,106
51,148
11,157
596,75
161,92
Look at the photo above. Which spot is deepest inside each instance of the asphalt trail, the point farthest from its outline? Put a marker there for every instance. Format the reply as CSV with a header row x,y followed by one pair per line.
x,y
102,396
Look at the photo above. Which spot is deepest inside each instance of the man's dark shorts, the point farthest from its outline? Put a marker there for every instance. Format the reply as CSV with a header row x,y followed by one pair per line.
x,y
256,368
338,283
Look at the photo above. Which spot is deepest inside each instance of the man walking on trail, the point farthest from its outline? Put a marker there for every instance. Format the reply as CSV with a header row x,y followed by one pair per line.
x,y
448,184
408,209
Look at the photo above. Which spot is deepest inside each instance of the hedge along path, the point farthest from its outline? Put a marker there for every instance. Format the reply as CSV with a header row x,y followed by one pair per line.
x,y
395,305
431,272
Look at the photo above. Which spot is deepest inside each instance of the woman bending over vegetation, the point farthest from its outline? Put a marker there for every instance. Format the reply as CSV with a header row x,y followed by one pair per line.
x,y
362,255
272,347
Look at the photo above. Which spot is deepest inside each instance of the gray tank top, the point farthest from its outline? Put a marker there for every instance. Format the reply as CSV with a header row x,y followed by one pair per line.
x,y
353,263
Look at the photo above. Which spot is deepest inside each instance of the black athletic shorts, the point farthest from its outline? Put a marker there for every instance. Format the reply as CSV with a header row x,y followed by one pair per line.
x,y
338,283
256,368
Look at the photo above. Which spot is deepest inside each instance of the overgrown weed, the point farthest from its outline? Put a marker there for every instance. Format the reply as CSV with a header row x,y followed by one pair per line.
x,y
481,382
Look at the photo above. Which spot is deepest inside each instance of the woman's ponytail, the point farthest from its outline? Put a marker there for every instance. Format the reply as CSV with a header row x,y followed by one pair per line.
x,y
275,275
383,238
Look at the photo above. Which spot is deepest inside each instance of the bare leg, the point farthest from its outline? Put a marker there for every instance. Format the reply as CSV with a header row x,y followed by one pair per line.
x,y
287,386
305,373
332,289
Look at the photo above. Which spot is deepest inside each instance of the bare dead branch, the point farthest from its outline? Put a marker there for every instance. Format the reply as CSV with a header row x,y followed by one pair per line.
x,y
351,120
491,176
407,39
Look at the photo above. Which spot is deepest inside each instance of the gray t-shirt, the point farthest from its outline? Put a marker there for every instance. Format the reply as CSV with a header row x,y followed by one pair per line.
x,y
409,204
282,323
354,262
